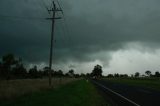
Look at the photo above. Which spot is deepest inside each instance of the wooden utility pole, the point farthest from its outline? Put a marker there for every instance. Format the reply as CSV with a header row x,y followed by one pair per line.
x,y
53,11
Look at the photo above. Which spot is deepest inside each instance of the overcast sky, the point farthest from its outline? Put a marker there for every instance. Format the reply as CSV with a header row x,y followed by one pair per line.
x,y
121,35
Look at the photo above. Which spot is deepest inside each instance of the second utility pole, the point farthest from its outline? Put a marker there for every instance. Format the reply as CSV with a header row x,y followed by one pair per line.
x,y
53,11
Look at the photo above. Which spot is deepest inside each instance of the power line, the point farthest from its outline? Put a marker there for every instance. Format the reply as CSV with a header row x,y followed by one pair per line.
x,y
21,17
65,37
40,6
41,3
65,34
53,11
65,25
44,5
60,7
64,28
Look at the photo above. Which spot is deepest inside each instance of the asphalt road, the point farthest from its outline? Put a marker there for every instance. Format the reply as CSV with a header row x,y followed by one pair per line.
x,y
125,95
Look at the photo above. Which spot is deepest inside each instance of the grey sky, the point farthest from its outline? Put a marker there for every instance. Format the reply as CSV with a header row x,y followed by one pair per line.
x,y
99,32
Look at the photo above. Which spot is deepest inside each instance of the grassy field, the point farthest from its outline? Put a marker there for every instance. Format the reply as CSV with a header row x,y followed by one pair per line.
x,y
77,93
14,88
153,83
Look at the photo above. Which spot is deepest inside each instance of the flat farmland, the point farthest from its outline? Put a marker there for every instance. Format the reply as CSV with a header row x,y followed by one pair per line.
x,y
71,92
14,88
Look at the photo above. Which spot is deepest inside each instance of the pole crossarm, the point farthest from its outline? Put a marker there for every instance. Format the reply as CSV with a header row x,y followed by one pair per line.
x,y
52,11
53,18
55,10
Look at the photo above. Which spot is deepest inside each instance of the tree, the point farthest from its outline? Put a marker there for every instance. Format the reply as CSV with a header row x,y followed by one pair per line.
x,y
9,59
83,75
71,73
45,71
110,75
123,75
148,73
58,73
97,71
11,67
6,66
1,70
116,75
157,74
33,72
19,71
137,74
87,75
77,75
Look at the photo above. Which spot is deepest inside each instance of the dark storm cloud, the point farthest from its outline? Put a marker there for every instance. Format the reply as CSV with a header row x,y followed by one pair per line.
x,y
93,26
21,33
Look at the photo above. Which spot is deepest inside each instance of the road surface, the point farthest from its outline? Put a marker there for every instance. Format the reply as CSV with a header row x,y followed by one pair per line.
x,y
124,95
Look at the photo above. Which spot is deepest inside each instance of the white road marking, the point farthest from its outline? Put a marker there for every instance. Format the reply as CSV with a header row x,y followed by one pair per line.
x,y
116,93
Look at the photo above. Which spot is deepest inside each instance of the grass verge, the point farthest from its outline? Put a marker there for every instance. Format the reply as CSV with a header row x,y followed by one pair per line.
x,y
153,83
78,93
16,88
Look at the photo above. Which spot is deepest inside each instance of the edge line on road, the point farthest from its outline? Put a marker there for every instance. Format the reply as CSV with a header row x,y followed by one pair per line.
x,y
116,93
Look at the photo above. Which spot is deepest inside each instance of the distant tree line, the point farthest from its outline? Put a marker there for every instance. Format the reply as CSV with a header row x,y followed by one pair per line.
x,y
136,75
148,73
13,68
97,73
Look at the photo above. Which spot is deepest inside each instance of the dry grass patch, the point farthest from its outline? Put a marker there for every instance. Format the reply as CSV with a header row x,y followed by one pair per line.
x,y
15,88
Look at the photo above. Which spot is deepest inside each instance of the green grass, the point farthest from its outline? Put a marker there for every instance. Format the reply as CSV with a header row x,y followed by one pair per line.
x,y
78,93
153,83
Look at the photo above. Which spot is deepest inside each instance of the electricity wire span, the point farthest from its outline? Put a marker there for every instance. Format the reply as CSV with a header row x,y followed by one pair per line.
x,y
21,17
65,26
43,5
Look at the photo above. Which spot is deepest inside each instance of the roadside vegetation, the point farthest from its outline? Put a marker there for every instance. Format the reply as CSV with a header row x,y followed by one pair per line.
x,y
77,93
12,89
12,67
31,84
23,86
148,79
153,83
